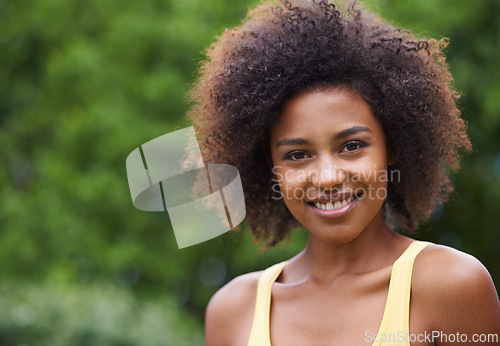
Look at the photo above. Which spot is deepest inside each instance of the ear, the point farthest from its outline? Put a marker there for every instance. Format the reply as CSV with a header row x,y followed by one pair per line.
x,y
392,158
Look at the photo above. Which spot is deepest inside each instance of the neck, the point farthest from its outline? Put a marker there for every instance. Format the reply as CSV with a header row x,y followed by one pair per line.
x,y
376,247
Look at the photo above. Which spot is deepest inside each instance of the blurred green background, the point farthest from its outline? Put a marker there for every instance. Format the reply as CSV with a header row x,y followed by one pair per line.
x,y
83,83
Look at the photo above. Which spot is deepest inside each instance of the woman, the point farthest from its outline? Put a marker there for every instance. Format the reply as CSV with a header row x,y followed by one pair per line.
x,y
347,127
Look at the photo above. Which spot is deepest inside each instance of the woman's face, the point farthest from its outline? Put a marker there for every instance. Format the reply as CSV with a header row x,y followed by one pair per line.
x,y
330,161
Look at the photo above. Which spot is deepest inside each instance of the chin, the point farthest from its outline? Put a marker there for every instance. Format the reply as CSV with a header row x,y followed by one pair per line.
x,y
339,234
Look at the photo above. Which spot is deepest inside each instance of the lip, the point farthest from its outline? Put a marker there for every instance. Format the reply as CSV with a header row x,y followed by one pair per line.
x,y
346,209
331,198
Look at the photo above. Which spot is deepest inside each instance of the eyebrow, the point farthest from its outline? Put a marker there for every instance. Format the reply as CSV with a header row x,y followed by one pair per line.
x,y
291,141
351,131
342,134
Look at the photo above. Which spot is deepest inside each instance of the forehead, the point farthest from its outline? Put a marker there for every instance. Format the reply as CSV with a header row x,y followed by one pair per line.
x,y
313,113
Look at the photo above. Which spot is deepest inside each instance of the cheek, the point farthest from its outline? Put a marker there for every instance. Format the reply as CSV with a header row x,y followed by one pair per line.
x,y
377,186
365,174
370,180
369,169
289,177
291,183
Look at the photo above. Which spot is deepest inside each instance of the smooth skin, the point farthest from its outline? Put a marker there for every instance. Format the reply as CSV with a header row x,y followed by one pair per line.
x,y
328,145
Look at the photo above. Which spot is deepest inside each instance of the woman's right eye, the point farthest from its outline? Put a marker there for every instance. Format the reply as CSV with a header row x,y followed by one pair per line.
x,y
295,156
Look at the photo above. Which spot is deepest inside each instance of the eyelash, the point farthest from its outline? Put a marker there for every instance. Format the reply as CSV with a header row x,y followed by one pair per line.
x,y
360,145
290,155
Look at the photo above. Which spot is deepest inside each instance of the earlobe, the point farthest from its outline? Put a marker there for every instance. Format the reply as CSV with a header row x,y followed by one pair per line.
x,y
392,158
391,161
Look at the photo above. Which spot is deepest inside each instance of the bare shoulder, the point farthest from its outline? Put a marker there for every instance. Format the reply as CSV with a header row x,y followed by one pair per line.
x,y
442,266
229,313
456,291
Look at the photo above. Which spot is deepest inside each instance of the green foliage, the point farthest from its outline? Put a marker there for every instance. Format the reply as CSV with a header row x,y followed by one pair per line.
x,y
90,316
83,83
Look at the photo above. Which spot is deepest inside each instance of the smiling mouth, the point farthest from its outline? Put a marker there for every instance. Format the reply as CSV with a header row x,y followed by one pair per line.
x,y
331,209
333,205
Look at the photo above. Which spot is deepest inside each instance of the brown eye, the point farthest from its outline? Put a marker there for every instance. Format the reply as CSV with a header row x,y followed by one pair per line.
x,y
296,156
353,146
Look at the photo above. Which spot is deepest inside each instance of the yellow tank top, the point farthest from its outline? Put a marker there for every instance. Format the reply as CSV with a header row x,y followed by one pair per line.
x,y
397,306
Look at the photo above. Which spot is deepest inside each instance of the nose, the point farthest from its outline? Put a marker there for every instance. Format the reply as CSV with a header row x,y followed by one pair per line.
x,y
326,174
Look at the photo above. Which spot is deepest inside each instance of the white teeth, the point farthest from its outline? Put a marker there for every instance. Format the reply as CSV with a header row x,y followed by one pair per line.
x,y
336,205
320,206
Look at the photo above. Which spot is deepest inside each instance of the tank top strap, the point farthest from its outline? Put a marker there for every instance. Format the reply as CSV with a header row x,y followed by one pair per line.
x,y
259,335
397,308
396,314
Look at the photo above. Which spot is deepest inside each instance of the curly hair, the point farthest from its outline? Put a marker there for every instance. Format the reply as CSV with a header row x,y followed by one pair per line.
x,y
285,47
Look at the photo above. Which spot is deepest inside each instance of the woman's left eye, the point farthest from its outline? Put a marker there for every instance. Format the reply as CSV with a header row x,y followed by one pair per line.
x,y
353,146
